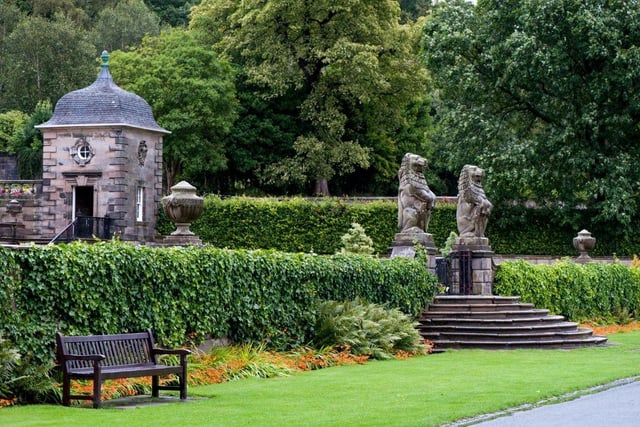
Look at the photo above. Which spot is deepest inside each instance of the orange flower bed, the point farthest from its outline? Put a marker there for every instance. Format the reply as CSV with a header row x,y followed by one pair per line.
x,y
4,403
612,329
205,369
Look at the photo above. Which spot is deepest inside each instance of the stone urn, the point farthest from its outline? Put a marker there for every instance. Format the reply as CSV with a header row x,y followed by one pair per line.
x,y
183,207
584,243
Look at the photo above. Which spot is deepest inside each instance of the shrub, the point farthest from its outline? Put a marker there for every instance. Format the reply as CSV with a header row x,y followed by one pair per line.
x,y
366,329
578,291
294,225
23,382
188,293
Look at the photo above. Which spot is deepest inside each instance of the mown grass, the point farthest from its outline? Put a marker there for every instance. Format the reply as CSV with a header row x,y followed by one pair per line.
x,y
422,391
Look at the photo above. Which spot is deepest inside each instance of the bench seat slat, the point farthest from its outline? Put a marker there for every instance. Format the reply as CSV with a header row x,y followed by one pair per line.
x,y
126,371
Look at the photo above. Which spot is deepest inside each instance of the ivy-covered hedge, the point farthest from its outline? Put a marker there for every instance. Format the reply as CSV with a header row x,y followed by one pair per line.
x,y
576,291
301,225
294,225
182,293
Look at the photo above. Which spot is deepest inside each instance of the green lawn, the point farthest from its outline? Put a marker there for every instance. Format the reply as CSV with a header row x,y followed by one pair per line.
x,y
423,391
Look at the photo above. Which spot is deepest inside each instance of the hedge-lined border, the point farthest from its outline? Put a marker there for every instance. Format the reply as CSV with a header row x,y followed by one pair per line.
x,y
301,225
189,293
591,291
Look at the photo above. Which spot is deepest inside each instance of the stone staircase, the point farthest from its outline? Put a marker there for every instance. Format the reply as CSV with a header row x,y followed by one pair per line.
x,y
496,322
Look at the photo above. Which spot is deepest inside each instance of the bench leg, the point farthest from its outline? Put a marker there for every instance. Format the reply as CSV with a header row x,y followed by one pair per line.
x,y
97,387
183,387
66,390
183,378
155,383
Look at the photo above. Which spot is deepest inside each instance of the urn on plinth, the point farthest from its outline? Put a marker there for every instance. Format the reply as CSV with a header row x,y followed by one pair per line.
x,y
584,243
183,207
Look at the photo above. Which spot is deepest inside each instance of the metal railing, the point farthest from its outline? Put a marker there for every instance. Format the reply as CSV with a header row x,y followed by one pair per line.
x,y
85,227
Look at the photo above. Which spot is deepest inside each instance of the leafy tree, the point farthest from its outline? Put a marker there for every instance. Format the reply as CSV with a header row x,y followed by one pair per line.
x,y
11,128
27,144
124,25
191,93
349,63
50,9
263,134
545,96
44,59
413,9
172,12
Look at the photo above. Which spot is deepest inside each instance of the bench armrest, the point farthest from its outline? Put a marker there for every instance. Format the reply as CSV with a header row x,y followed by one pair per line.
x,y
94,357
180,351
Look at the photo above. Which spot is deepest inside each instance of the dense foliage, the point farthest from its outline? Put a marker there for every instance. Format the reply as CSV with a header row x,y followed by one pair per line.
x,y
188,293
610,292
317,225
366,329
545,96
191,93
350,66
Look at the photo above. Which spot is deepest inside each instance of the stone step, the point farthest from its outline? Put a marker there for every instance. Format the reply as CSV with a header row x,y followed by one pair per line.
x,y
531,344
475,299
569,335
495,322
541,320
512,329
490,314
434,307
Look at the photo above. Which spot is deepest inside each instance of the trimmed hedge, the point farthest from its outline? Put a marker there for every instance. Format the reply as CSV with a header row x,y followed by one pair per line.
x,y
300,225
182,293
577,291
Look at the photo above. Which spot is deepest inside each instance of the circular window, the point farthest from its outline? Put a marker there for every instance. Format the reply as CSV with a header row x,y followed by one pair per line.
x,y
82,152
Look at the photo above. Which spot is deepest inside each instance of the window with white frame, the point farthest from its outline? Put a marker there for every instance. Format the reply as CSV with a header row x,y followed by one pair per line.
x,y
140,204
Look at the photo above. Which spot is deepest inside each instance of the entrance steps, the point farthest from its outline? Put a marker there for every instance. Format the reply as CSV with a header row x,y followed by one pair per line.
x,y
497,322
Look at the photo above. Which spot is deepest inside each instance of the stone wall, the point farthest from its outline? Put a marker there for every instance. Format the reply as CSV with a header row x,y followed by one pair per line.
x,y
8,167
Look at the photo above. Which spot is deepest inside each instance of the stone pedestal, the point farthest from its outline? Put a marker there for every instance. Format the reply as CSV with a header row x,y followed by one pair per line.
x,y
481,268
181,240
404,246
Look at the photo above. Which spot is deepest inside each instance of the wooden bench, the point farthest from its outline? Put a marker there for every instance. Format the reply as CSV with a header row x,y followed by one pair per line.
x,y
102,357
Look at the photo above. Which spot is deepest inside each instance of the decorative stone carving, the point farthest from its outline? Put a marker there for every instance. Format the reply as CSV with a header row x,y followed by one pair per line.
x,y
415,202
473,206
584,243
415,199
183,207
142,152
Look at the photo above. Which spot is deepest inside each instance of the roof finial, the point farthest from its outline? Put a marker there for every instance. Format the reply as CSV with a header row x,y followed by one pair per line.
x,y
105,58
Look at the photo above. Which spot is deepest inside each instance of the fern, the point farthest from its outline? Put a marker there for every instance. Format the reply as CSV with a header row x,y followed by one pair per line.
x,y
366,329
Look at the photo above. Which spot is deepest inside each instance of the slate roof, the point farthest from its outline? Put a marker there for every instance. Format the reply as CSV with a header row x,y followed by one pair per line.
x,y
102,104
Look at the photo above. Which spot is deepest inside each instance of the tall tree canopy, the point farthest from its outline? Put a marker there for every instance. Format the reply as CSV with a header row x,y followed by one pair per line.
x,y
545,95
44,59
349,64
124,25
191,93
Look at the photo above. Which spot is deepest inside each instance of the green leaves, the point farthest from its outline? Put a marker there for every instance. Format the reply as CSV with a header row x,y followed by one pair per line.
x,y
543,94
366,329
187,294
192,94
610,292
349,66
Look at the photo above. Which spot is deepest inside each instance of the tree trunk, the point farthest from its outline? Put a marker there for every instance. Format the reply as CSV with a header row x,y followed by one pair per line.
x,y
321,187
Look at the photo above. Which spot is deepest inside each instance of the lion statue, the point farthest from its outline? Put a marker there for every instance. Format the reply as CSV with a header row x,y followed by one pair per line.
x,y
473,206
415,199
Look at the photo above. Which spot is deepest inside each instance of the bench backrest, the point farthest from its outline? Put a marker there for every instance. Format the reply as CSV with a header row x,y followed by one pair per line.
x,y
124,349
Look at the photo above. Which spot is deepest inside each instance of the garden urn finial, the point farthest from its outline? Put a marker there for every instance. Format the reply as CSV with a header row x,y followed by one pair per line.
x,y
584,243
183,207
